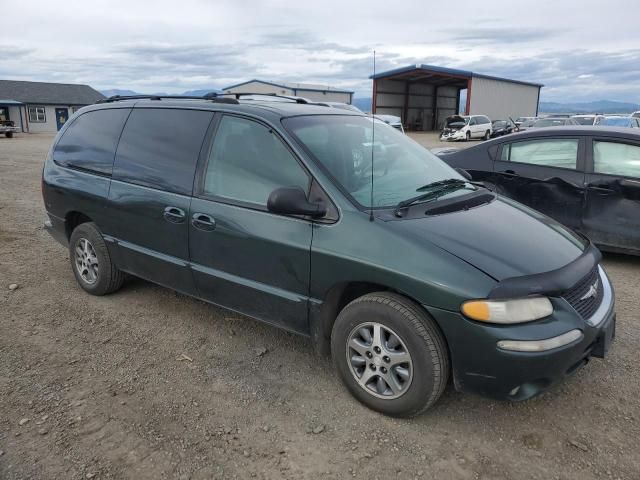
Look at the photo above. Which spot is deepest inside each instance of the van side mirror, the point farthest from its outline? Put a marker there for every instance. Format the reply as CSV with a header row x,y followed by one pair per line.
x,y
293,201
464,173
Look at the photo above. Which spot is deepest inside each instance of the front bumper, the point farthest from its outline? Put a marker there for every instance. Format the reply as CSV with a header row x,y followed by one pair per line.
x,y
479,366
452,136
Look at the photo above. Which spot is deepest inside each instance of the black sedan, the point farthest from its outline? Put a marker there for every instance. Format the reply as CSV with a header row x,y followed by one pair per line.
x,y
502,127
587,178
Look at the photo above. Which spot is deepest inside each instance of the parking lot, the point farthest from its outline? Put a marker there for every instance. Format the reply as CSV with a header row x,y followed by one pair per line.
x,y
151,384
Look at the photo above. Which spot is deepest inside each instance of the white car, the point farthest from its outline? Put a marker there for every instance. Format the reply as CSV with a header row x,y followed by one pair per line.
x,y
588,119
466,127
636,114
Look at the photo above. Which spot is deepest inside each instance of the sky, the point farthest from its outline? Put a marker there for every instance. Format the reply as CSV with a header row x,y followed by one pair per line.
x,y
581,50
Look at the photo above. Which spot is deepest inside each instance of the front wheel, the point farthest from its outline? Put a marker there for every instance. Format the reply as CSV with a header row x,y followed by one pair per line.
x,y
390,354
468,136
9,134
487,135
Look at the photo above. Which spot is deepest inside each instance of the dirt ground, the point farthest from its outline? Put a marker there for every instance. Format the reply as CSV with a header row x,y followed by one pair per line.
x,y
150,384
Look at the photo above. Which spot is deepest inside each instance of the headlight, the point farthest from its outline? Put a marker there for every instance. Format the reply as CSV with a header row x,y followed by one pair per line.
x,y
508,311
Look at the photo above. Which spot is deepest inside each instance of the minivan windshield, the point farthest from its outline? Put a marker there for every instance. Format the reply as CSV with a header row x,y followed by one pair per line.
x,y
343,145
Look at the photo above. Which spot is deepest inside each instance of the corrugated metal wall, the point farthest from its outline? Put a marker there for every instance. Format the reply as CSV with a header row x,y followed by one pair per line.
x,y
259,87
390,100
499,100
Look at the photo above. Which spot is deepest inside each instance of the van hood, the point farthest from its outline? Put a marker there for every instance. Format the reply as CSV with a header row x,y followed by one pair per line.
x,y
504,239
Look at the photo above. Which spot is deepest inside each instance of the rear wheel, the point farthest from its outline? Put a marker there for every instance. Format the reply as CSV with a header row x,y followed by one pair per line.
x,y
9,134
92,266
468,136
390,354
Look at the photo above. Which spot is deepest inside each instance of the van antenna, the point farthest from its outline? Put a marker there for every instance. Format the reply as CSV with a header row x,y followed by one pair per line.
x,y
373,136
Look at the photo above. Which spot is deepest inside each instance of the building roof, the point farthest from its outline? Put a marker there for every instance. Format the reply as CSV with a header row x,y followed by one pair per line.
x,y
305,87
444,71
48,93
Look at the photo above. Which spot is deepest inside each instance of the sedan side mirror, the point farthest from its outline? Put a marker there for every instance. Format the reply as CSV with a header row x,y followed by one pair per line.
x,y
293,201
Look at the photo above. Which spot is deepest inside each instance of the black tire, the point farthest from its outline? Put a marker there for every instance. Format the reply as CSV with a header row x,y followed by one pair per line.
x,y
419,333
108,278
9,134
468,136
487,135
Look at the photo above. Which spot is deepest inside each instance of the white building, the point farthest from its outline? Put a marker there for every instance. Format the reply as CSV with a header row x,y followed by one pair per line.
x,y
316,93
42,107
425,95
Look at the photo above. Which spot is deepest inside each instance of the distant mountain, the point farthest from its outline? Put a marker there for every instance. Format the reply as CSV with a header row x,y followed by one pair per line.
x,y
363,104
117,91
190,93
599,106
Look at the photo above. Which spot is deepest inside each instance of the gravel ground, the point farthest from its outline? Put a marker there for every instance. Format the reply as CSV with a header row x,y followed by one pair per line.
x,y
150,384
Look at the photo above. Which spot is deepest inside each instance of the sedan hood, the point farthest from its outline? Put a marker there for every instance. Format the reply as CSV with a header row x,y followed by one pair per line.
x,y
504,239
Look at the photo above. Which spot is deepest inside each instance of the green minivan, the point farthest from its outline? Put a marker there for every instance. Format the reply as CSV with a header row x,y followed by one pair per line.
x,y
335,226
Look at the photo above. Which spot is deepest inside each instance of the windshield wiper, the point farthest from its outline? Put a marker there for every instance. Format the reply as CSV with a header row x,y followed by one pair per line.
x,y
436,189
439,183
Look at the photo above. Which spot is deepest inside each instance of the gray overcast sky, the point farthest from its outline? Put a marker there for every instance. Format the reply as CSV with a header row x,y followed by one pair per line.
x,y
580,49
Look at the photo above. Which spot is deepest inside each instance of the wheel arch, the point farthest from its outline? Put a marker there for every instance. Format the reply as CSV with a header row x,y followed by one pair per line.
x,y
323,315
73,219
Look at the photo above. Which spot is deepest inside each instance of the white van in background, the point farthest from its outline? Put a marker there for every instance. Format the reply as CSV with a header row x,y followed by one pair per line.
x,y
466,127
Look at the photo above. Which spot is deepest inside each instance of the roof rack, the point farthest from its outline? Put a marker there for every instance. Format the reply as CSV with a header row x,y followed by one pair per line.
x,y
251,94
209,96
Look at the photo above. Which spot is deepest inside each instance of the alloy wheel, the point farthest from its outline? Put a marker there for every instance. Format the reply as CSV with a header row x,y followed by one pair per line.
x,y
86,261
379,360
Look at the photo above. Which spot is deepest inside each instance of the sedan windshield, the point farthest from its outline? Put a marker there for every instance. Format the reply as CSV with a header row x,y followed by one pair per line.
x,y
616,122
550,122
584,120
344,145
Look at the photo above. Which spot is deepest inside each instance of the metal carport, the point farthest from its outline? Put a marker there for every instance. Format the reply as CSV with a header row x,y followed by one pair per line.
x,y
425,95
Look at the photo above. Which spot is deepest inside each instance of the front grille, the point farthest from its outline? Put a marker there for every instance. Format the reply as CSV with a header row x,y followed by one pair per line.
x,y
588,306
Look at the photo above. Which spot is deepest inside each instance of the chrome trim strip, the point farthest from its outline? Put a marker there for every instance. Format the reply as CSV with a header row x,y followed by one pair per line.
x,y
607,301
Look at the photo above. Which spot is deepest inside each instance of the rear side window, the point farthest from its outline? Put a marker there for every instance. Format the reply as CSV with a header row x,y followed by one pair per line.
x,y
552,152
616,159
159,148
248,162
89,143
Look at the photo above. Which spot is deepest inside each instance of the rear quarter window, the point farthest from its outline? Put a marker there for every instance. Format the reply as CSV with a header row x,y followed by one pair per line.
x,y
89,143
159,148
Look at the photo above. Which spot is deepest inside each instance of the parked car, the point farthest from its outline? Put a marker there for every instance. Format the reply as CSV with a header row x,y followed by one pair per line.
x,y
554,122
588,119
625,122
408,272
8,127
587,178
636,114
466,127
391,120
527,124
521,120
502,127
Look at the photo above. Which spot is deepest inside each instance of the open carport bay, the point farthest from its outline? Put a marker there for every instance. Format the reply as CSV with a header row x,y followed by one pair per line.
x,y
150,384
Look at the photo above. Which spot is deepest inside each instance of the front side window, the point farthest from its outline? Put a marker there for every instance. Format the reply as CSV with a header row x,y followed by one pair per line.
x,y
553,152
37,115
616,159
248,161
344,146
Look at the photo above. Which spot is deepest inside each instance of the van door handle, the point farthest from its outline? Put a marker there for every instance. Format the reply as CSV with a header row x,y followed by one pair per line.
x,y
203,222
174,215
601,189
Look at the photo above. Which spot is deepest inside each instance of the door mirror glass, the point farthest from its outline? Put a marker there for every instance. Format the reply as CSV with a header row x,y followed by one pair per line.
x,y
293,201
616,159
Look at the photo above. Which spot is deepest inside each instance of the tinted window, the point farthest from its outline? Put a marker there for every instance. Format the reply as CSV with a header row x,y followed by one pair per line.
x,y
248,161
483,120
90,141
473,121
616,159
159,148
553,152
